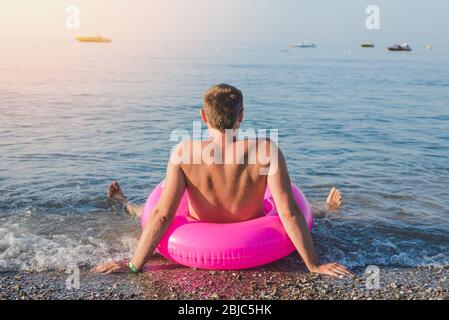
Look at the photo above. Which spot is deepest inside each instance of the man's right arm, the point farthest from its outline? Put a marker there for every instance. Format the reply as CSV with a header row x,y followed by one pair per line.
x,y
292,219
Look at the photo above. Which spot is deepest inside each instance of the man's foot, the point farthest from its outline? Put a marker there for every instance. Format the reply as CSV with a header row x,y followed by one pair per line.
x,y
115,193
334,200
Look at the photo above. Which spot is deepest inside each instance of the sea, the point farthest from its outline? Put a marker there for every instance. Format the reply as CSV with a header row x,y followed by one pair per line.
x,y
76,116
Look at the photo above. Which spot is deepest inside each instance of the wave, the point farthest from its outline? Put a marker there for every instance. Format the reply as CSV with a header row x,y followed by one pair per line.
x,y
36,242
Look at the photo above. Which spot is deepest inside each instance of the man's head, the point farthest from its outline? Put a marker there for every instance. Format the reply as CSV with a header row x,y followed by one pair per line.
x,y
223,107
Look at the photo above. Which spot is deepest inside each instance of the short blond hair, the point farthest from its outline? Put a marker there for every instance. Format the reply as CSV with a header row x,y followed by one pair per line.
x,y
223,104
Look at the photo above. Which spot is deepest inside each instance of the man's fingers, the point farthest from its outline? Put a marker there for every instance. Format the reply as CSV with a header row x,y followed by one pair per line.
x,y
107,268
102,267
332,273
99,269
343,267
341,270
113,269
346,271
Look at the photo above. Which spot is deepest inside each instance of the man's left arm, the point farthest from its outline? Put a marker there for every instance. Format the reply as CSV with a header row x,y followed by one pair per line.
x,y
158,222
162,216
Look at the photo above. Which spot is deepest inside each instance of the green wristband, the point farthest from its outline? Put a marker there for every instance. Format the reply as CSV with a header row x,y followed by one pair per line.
x,y
132,268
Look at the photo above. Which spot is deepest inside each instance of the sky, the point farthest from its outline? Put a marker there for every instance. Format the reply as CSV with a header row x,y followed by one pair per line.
x,y
280,21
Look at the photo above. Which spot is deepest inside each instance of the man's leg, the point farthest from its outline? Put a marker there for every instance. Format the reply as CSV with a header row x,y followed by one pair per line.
x,y
115,193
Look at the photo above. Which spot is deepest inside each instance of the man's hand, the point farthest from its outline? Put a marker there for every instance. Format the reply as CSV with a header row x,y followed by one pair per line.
x,y
111,267
332,269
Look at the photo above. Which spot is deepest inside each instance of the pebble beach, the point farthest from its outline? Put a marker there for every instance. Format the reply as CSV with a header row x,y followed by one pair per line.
x,y
285,280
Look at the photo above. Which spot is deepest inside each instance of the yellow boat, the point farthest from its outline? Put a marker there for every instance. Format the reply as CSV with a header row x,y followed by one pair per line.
x,y
92,39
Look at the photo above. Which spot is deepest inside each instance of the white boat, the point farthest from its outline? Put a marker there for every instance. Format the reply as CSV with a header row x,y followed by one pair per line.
x,y
400,47
304,45
367,44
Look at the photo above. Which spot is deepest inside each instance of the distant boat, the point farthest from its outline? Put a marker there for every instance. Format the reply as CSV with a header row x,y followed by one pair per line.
x,y
400,47
92,39
304,45
368,44
429,47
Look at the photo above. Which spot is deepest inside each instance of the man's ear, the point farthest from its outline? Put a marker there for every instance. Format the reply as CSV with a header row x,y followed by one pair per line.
x,y
239,121
240,118
203,115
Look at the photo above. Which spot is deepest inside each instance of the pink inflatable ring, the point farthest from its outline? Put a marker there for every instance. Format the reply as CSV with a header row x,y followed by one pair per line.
x,y
226,246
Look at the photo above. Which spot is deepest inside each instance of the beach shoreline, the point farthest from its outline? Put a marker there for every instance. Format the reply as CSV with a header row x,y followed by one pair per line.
x,y
286,279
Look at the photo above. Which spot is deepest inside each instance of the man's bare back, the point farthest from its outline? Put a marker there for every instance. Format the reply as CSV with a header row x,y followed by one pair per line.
x,y
230,191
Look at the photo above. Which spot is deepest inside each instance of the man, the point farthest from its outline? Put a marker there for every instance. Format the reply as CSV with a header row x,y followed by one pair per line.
x,y
230,188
